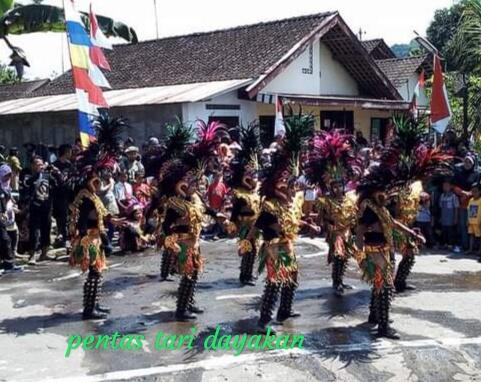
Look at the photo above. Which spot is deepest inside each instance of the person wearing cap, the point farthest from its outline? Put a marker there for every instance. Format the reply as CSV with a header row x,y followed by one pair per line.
x,y
133,164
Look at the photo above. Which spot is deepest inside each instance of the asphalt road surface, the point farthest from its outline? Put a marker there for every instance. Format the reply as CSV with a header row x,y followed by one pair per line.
x,y
440,324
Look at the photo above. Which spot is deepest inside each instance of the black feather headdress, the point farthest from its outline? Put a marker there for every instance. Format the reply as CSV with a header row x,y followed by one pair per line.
x,y
285,161
247,159
195,159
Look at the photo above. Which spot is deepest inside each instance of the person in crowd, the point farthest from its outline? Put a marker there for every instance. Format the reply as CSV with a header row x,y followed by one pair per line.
x,y
107,196
8,231
123,191
449,209
13,161
37,192
142,190
62,195
132,235
216,196
133,164
474,218
424,219
360,140
465,175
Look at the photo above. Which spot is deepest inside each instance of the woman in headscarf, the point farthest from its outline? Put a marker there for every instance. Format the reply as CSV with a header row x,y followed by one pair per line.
x,y
8,228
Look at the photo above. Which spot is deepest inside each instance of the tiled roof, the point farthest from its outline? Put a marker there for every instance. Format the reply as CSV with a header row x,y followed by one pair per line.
x,y
399,70
378,49
20,90
236,53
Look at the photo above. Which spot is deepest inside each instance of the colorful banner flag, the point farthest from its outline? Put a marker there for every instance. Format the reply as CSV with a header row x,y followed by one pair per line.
x,y
87,58
440,109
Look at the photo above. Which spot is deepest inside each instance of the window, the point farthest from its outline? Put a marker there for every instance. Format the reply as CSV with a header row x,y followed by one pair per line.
x,y
228,121
343,119
378,129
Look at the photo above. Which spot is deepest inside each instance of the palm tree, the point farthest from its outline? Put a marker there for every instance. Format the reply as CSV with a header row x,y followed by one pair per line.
x,y
18,19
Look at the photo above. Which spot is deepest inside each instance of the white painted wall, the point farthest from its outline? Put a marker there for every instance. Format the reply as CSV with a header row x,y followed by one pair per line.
x,y
335,80
327,77
407,90
197,110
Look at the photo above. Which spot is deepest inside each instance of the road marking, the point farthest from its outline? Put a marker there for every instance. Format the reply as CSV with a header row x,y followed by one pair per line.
x,y
318,254
67,277
216,363
236,296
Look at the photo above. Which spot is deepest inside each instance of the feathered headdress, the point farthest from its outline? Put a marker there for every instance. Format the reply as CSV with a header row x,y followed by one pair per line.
x,y
331,157
285,161
177,138
247,159
195,159
410,157
101,154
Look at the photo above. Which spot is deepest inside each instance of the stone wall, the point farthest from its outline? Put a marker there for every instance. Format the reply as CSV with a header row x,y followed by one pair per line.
x,y
61,127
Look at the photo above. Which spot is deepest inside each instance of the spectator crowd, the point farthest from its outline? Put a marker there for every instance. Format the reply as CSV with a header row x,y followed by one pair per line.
x,y
35,194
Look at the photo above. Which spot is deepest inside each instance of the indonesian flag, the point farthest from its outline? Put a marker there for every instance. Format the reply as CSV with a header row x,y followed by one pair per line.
x,y
96,34
418,91
279,128
440,109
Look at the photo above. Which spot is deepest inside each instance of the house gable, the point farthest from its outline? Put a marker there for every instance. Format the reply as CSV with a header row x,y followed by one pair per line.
x,y
314,72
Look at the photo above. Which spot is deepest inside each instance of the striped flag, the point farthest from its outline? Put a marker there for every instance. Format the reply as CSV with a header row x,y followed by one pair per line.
x,y
440,109
87,58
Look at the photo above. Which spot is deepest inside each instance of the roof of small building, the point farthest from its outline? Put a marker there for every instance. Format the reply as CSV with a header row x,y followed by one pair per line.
x,y
378,49
20,89
234,53
399,70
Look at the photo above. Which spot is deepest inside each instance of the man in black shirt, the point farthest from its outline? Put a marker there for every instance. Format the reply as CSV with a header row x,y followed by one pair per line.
x,y
61,193
36,192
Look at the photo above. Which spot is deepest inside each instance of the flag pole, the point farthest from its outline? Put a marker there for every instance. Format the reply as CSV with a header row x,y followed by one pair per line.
x,y
156,19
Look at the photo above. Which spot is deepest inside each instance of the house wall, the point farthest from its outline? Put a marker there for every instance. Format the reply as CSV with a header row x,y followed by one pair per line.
x,y
314,72
198,110
61,127
362,118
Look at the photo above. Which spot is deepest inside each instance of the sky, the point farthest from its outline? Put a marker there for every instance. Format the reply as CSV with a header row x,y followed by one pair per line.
x,y
392,20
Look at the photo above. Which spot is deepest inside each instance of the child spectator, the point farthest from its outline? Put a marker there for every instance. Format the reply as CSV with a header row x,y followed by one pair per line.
x,y
424,220
474,217
449,208
123,191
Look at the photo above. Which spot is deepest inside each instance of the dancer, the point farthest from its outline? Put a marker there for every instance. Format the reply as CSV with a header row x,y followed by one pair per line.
x,y
375,243
243,180
184,213
280,219
330,162
413,163
89,216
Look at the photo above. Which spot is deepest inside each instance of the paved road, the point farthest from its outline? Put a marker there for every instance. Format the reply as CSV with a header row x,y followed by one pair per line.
x,y
440,324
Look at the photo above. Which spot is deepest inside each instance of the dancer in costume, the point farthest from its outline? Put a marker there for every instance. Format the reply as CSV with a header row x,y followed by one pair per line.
x,y
89,216
184,212
413,162
243,180
330,162
375,244
178,135
280,220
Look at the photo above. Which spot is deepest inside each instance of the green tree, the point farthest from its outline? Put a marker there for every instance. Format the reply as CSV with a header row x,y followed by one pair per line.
x,y
442,29
7,75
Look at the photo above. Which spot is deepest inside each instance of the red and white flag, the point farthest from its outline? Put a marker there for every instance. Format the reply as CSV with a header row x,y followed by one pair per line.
x,y
97,36
418,92
279,128
440,109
